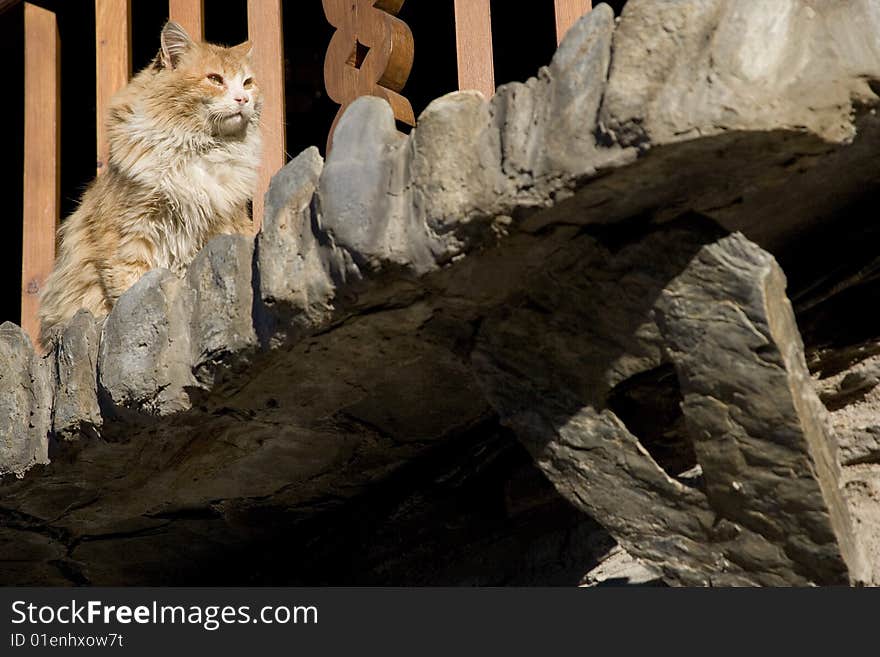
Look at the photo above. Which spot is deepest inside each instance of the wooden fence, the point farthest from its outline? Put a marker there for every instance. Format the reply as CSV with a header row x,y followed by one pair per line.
x,y
113,28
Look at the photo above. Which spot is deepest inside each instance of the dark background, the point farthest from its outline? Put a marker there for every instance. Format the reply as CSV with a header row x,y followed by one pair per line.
x,y
522,43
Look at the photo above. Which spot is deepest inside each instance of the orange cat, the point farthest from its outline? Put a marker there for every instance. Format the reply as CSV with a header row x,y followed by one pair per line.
x,y
184,149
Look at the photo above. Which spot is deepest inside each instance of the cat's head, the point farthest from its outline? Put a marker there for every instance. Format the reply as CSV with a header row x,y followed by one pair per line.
x,y
215,83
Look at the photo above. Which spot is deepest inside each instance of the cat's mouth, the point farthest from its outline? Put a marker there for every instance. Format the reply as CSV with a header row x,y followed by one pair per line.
x,y
232,124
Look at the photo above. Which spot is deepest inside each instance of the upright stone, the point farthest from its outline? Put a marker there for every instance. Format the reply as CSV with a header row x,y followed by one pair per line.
x,y
760,432
76,411
364,197
145,359
219,283
25,403
294,285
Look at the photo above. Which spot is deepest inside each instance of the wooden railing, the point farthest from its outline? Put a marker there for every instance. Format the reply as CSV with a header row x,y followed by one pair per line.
x,y
113,28
42,188
473,39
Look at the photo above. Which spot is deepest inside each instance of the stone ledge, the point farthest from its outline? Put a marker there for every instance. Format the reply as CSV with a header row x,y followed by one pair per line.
x,y
395,287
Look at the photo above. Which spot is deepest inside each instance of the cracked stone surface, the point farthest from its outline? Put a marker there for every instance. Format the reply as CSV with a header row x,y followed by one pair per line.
x,y
752,411
25,403
590,264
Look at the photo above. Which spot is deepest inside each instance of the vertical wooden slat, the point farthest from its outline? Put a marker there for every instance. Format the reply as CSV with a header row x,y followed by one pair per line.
x,y
112,60
41,141
473,41
567,14
265,33
190,15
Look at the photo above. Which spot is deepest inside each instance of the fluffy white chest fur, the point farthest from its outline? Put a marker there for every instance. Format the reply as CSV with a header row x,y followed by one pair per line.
x,y
200,187
203,194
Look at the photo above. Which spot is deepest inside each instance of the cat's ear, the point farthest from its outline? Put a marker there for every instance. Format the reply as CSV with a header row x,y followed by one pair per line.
x,y
175,42
244,49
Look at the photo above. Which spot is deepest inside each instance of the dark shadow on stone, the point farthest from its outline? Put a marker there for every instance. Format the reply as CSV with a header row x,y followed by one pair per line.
x,y
649,404
474,511
602,286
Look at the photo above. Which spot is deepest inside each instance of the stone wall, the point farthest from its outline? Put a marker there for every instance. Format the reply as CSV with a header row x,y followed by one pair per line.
x,y
608,263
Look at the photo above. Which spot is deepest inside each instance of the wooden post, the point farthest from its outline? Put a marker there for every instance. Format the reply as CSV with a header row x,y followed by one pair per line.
x,y
265,32
567,14
112,60
41,140
190,15
473,41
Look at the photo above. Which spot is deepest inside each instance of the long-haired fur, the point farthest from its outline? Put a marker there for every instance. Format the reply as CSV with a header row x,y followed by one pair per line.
x,y
184,150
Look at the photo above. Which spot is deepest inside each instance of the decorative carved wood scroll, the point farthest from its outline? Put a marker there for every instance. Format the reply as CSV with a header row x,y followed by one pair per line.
x,y
370,54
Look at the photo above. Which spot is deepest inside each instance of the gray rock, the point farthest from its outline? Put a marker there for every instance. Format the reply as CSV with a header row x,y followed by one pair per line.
x,y
145,359
553,377
362,200
456,170
221,294
548,125
578,75
294,266
760,432
853,398
76,411
853,401
702,67
603,469
861,490
25,403
618,568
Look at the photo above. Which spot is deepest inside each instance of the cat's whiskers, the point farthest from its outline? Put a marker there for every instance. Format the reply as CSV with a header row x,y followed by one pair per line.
x,y
270,135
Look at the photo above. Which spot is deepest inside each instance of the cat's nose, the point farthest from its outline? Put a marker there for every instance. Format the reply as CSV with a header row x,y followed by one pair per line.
x,y
241,99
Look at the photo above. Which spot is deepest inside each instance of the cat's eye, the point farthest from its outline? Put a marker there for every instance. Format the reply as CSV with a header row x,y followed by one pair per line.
x,y
215,78
248,83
